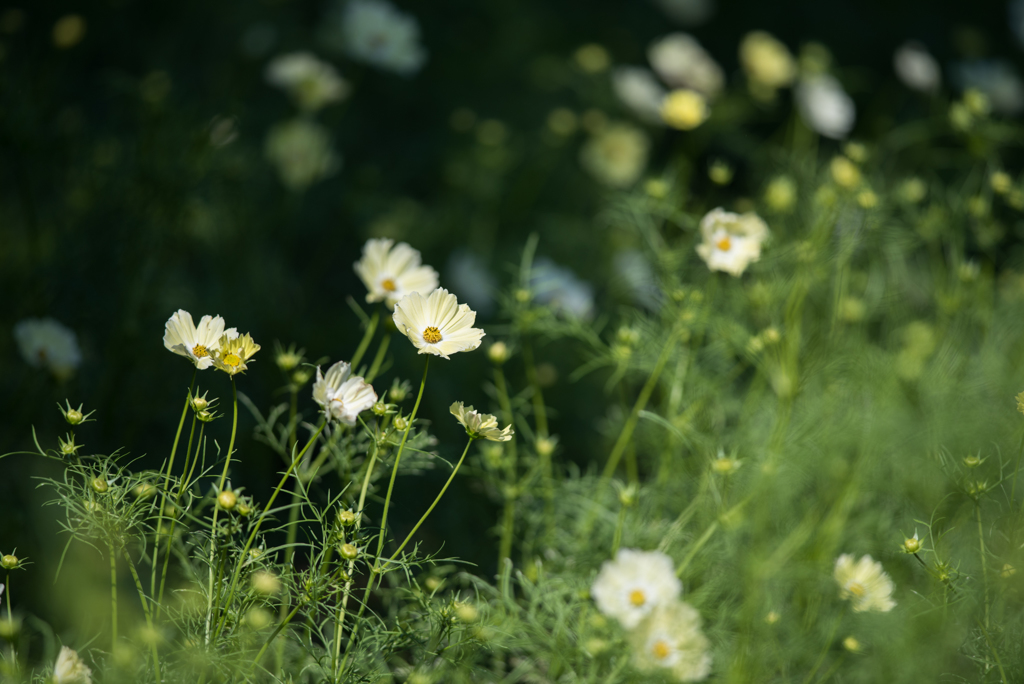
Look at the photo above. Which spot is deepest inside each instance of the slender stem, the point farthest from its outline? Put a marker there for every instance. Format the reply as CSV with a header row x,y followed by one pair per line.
x,y
984,569
7,586
508,522
174,522
824,651
146,612
539,411
696,547
216,507
371,328
277,630
617,539
113,598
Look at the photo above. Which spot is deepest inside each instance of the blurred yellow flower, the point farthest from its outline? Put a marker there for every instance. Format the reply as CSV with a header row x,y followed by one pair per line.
x,y
616,155
684,109
768,63
235,353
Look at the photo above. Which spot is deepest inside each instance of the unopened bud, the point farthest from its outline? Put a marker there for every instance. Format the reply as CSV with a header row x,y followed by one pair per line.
x,y
264,582
9,562
244,509
972,461
852,645
545,446
99,485
466,612
912,544
144,491
200,403
74,416
401,423
349,552
346,518
206,416
227,500
498,353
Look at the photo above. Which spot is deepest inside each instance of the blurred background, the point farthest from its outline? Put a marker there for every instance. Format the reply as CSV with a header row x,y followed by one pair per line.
x,y
150,162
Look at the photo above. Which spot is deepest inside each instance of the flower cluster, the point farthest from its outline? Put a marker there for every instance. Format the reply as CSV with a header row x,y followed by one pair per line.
x,y
480,425
209,343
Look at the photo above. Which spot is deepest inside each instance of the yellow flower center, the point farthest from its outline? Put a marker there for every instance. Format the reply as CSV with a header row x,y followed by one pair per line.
x,y
661,650
432,335
199,351
637,597
232,360
724,244
389,285
857,589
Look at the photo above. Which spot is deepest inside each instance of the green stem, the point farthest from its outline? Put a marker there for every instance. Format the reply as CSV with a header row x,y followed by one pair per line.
x,y
696,547
824,651
7,586
216,507
146,612
508,522
984,564
113,598
617,539
174,522
371,328
277,630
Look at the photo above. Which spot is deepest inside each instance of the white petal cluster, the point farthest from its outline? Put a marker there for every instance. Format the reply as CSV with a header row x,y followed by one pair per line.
x,y
639,90
864,583
917,68
301,152
630,587
70,669
375,32
731,241
825,107
616,155
342,396
559,288
311,82
480,425
47,343
670,638
197,343
437,324
681,62
390,271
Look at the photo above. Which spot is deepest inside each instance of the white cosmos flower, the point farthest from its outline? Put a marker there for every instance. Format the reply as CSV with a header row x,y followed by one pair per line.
x,y
632,585
392,271
917,68
437,324
640,91
342,396
731,241
70,669
825,106
681,62
864,583
311,82
480,425
671,638
46,343
375,32
199,344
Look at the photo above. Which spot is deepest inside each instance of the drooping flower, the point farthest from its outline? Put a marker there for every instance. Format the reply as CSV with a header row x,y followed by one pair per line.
x,y
670,638
616,155
375,32
392,271
235,353
630,587
825,107
311,82
681,62
437,324
301,152
480,425
769,65
342,396
199,344
864,583
47,343
70,669
731,241
917,68
640,91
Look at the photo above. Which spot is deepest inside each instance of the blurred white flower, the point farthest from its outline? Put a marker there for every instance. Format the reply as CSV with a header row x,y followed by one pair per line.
x,y
731,241
616,155
997,80
671,638
825,107
301,151
630,587
471,280
392,271
375,32
311,82
46,343
480,425
639,90
437,324
70,669
636,276
917,68
199,344
864,583
688,12
559,288
342,396
681,62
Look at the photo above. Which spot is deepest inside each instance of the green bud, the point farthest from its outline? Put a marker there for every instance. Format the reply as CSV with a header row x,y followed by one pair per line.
x,y
227,500
349,552
99,485
347,518
9,562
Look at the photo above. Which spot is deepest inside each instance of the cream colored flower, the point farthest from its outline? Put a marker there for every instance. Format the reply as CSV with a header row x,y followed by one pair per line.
x,y
617,155
917,68
199,344
46,343
864,583
235,353
342,396
685,109
681,62
634,584
375,32
437,324
768,63
640,91
301,152
825,107
70,669
392,271
311,82
480,425
731,241
671,638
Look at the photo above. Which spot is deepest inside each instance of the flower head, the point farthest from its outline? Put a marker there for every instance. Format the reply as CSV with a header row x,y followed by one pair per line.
x,y
70,669
731,241
616,155
311,82
640,91
917,68
199,344
480,425
684,109
46,343
375,32
301,151
235,353
864,583
825,107
634,584
768,63
392,271
681,62
671,638
437,324
342,396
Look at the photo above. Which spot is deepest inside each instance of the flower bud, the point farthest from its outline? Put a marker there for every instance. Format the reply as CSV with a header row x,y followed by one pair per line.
x,y
720,172
844,172
74,416
68,446
1007,571
244,509
206,416
852,645
1001,182
144,490
972,461
346,518
628,495
259,618
466,612
349,552
912,544
772,617
227,500
545,446
99,485
522,295
200,403
266,583
9,562
498,353
301,376
379,408
9,628
401,423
